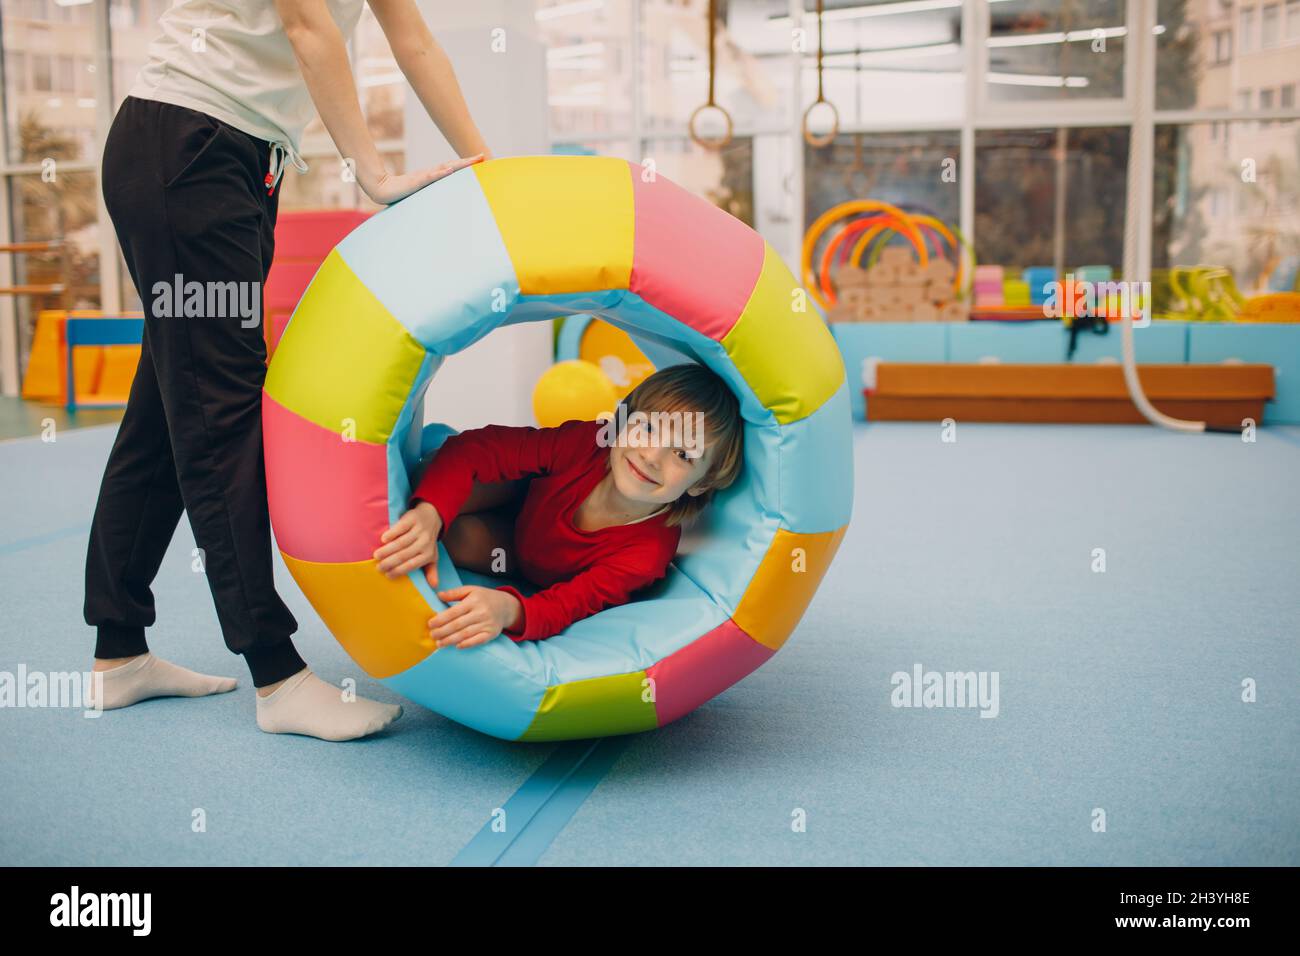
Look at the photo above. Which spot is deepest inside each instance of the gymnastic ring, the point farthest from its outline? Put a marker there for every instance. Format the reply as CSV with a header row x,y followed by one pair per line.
x,y
713,144
817,142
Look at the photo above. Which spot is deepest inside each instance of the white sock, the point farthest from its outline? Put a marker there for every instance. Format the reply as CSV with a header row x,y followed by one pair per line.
x,y
305,704
149,676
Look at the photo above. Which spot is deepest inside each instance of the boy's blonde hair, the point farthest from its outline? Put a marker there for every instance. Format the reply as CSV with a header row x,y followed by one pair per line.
x,y
694,388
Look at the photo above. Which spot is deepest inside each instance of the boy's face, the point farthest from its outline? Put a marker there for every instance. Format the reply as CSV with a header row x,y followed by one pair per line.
x,y
658,461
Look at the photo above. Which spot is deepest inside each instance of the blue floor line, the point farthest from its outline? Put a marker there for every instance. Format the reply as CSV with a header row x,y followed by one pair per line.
x,y
543,804
22,544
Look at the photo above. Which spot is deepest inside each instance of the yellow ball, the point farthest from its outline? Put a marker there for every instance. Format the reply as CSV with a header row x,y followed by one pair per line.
x,y
572,389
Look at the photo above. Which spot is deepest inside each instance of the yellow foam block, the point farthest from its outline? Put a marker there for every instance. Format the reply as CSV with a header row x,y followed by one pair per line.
x,y
120,363
47,362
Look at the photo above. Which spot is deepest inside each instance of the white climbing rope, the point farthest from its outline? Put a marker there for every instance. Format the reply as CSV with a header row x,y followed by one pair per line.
x,y
1141,146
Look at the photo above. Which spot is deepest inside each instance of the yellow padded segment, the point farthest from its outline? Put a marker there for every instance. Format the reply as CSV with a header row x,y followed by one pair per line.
x,y
344,358
784,583
792,381
601,705
379,621
568,227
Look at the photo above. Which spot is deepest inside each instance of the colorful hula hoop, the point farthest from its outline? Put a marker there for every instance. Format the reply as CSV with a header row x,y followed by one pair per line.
x,y
962,251
828,254
872,226
884,221
853,255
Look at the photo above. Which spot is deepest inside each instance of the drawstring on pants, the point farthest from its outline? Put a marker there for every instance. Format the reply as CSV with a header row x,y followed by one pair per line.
x,y
281,155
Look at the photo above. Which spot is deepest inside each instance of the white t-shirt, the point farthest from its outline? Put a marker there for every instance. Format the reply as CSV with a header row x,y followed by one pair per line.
x,y
232,60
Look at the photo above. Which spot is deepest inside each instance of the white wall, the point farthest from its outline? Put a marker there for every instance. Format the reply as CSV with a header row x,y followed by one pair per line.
x,y
774,197
491,381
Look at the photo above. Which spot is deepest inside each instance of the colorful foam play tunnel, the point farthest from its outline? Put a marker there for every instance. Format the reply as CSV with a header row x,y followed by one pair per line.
x,y
524,239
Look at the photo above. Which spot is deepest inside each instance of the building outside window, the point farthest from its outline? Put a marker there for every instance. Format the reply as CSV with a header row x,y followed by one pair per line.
x,y
1246,30
1269,26
1222,47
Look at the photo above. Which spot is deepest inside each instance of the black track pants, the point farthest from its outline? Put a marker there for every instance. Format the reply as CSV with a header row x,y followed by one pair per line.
x,y
186,196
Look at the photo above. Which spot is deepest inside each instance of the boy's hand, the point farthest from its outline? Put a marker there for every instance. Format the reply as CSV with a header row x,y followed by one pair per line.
x,y
412,542
480,615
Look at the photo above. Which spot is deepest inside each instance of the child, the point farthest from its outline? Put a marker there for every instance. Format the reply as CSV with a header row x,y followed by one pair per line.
x,y
603,507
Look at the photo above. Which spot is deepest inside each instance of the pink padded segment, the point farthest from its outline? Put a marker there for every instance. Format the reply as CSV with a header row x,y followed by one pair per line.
x,y
328,497
703,669
691,259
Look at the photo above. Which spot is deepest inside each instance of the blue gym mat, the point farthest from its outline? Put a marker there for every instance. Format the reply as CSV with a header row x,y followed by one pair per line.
x,y
1118,692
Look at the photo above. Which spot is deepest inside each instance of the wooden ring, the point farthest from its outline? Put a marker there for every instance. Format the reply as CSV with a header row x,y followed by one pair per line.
x,y
817,142
714,144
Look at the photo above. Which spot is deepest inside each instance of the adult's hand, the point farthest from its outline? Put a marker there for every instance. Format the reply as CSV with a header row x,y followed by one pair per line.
x,y
390,187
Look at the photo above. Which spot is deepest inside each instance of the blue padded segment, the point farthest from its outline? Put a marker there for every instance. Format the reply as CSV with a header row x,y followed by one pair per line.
x,y
726,546
535,308
418,442
432,436
816,483
498,686
403,446
482,687
626,638
661,356
442,284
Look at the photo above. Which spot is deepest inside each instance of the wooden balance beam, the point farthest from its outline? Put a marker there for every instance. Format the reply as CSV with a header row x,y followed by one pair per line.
x,y
1220,395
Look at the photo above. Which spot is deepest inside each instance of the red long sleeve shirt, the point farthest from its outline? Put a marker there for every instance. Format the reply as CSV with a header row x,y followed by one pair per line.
x,y
581,572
